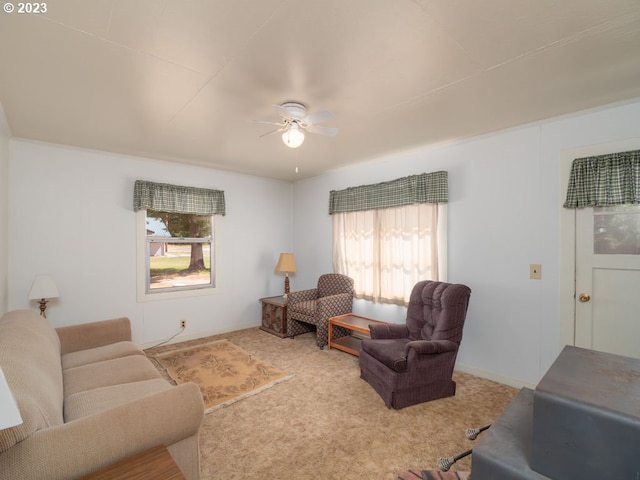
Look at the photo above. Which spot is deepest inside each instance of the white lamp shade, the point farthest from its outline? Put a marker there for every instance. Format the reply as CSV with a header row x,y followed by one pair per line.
x,y
43,287
293,136
9,412
286,263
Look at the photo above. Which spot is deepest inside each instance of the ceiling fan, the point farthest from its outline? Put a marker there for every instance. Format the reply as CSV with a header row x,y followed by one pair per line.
x,y
295,121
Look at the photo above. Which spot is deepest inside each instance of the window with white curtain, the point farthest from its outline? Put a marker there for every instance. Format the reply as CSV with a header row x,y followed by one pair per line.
x,y
388,250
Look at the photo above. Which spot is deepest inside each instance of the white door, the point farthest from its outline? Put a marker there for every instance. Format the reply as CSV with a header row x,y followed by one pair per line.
x,y
607,300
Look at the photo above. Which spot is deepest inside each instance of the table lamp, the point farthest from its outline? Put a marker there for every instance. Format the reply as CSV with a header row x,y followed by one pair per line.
x,y
286,264
9,412
42,289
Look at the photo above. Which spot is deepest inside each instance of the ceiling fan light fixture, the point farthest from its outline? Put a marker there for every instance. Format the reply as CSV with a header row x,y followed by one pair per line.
x,y
293,136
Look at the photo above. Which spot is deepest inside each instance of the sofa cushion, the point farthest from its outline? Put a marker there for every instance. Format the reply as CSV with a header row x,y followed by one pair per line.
x,y
99,354
94,401
30,359
133,368
306,307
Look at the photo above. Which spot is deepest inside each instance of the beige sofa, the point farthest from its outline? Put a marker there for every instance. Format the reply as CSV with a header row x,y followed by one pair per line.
x,y
88,397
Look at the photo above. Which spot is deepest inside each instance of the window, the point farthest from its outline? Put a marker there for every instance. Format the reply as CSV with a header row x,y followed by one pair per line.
x,y
610,184
388,251
389,236
176,242
616,230
179,251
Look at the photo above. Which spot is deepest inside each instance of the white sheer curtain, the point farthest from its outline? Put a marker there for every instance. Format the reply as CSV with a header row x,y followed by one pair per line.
x,y
387,251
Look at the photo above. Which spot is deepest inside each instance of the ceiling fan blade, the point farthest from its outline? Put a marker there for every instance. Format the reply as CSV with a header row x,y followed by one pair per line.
x,y
271,132
318,117
319,129
265,122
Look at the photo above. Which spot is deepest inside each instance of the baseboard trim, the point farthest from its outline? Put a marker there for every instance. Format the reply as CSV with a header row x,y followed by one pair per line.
x,y
183,337
478,372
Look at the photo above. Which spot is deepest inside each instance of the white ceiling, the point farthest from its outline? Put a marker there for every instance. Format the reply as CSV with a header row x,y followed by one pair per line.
x,y
180,79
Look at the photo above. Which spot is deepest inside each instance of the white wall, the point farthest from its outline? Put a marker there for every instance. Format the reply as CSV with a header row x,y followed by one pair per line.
x,y
504,214
71,216
4,208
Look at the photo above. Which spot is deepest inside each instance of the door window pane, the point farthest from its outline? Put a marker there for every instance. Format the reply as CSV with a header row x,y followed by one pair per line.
x,y
616,230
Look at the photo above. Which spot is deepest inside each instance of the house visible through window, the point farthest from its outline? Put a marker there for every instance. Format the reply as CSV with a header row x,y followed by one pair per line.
x,y
176,247
179,251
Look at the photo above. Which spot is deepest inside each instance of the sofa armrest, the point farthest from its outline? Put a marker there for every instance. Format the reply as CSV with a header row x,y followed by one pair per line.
x,y
429,347
89,443
388,330
94,334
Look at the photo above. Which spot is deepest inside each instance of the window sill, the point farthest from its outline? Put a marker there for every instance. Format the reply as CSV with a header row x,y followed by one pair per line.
x,y
191,292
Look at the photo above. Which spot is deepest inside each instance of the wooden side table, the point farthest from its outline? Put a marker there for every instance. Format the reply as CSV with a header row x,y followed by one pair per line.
x,y
353,323
274,315
153,464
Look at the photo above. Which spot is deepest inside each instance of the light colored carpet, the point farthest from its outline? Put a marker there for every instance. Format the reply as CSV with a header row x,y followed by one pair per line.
x,y
433,475
327,423
224,372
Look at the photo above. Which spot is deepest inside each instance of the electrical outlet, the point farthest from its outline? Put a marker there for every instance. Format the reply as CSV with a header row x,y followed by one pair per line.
x,y
183,324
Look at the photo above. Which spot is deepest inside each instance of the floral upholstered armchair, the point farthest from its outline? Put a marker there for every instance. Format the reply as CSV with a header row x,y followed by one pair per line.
x,y
312,308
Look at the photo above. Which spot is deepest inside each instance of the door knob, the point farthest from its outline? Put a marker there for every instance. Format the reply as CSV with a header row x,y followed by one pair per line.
x,y
584,297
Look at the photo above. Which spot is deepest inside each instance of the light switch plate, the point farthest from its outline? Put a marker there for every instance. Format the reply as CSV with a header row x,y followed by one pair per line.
x,y
535,271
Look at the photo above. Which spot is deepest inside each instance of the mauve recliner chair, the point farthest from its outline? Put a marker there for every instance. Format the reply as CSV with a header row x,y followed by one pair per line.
x,y
413,363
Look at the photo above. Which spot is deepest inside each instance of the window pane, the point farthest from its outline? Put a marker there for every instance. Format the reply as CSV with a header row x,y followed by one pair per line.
x,y
387,251
616,230
179,250
179,225
173,268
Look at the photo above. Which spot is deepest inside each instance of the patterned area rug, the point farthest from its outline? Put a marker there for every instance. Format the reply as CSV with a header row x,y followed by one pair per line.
x,y
224,372
433,475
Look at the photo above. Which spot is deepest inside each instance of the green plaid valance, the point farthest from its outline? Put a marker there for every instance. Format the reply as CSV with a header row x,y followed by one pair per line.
x,y
423,188
604,180
176,199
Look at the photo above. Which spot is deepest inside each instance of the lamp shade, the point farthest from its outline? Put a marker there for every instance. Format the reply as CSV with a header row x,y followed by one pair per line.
x,y
9,412
293,136
286,263
43,287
